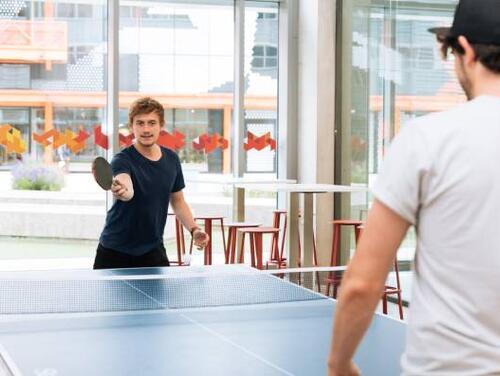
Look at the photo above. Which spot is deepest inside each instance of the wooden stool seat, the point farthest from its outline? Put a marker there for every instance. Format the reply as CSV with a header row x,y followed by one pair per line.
x,y
335,279
204,217
347,222
230,251
242,224
337,224
207,221
260,230
255,234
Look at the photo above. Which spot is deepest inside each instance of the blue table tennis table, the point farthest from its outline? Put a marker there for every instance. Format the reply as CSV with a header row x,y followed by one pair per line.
x,y
213,320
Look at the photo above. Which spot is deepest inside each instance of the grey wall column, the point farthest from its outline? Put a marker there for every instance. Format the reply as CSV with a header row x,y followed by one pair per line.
x,y
343,118
317,110
288,103
288,90
326,126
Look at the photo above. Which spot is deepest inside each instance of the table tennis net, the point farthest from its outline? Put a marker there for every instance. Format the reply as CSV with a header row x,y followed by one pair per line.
x,y
159,292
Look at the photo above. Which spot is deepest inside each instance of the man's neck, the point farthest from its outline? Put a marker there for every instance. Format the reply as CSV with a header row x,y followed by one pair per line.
x,y
153,152
487,84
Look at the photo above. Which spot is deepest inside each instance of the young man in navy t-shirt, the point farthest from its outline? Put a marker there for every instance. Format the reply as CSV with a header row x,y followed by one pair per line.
x,y
147,177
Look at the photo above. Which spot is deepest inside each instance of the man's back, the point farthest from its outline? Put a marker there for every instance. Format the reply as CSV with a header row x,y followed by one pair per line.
x,y
442,175
452,174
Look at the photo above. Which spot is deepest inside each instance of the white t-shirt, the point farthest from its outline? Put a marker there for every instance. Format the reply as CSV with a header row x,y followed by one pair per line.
x,y
442,174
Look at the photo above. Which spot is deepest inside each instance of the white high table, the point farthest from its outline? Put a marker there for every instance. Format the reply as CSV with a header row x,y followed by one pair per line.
x,y
231,180
239,184
293,192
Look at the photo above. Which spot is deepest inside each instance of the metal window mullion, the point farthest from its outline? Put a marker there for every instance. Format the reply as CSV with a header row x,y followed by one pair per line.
x,y
112,111
239,156
239,88
389,97
287,159
287,90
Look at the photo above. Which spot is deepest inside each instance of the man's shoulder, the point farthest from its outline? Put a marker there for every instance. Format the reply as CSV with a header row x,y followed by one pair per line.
x,y
453,117
123,159
169,153
125,154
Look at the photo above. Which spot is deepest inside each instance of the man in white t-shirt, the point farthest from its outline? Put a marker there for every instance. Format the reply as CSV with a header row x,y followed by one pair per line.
x,y
442,175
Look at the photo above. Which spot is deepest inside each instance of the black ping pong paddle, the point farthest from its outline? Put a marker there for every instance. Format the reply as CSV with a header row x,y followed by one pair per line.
x,y
103,175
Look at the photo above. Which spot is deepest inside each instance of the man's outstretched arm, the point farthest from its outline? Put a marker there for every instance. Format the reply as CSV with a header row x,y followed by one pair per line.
x,y
363,284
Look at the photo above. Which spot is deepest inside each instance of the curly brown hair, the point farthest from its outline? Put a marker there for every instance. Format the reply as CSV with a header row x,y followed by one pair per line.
x,y
145,105
487,54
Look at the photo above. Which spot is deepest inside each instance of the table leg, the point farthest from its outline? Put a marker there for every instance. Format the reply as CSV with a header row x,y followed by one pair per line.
x,y
241,249
308,229
292,233
178,241
224,244
240,241
239,205
252,250
208,248
230,249
258,250
183,241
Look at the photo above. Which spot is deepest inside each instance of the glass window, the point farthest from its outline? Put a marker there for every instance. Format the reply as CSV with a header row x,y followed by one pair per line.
x,y
52,101
395,73
84,10
261,75
187,63
14,76
77,69
66,10
261,78
264,57
181,53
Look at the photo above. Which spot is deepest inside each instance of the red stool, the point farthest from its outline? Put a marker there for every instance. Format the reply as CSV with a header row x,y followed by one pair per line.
x,y
230,251
207,223
255,243
274,247
179,239
276,256
391,290
333,279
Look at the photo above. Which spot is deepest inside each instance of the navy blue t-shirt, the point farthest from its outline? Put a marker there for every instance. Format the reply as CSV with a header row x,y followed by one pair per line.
x,y
136,226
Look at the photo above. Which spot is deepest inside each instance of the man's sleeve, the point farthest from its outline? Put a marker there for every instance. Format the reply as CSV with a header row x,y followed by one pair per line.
x,y
399,184
120,164
179,178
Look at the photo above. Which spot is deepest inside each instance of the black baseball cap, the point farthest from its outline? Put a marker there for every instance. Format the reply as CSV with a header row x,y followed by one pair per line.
x,y
476,20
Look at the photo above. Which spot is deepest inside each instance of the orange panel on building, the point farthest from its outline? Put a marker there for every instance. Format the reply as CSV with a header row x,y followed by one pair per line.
x,y
33,41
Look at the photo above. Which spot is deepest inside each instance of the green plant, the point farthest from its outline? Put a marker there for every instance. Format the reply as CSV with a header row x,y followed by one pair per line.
x,y
37,177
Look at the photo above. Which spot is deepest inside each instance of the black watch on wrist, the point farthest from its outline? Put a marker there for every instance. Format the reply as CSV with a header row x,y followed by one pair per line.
x,y
193,229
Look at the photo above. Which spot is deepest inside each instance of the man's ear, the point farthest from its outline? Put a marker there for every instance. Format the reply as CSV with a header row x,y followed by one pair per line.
x,y
469,55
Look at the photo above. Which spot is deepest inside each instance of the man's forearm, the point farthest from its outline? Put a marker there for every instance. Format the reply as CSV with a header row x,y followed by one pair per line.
x,y
353,315
364,281
183,212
